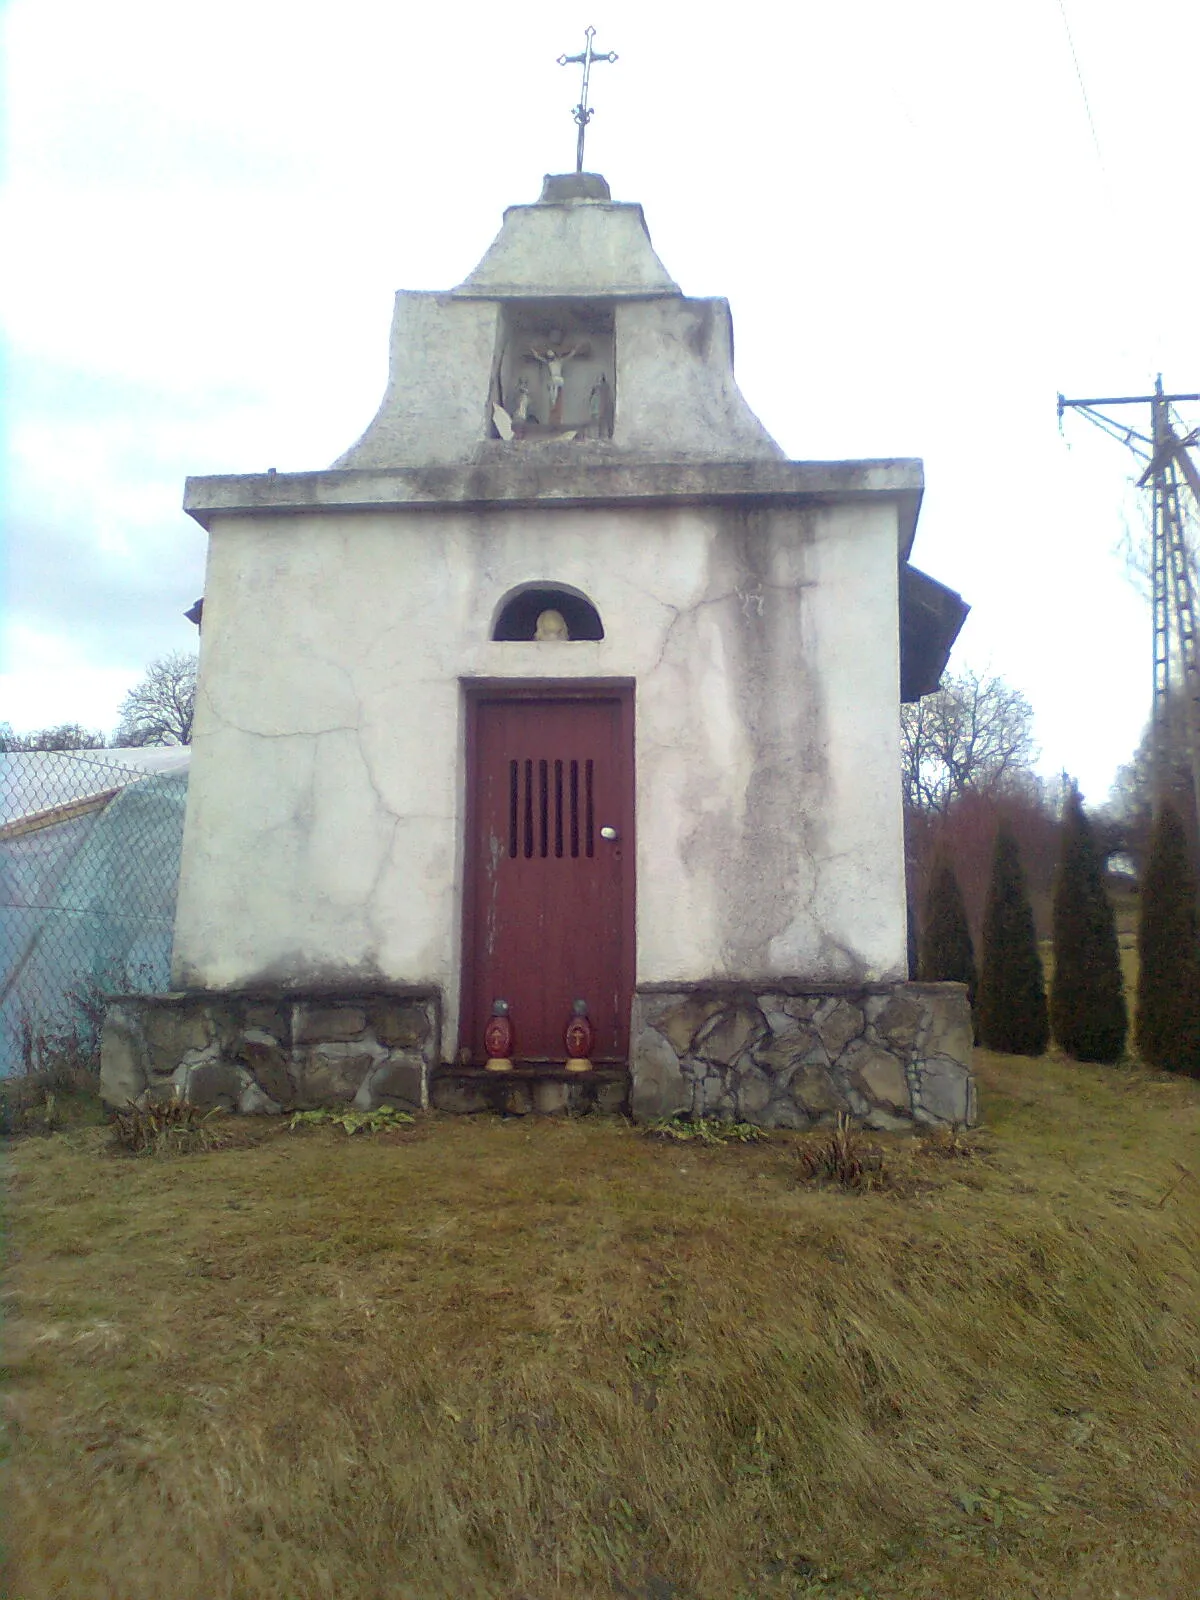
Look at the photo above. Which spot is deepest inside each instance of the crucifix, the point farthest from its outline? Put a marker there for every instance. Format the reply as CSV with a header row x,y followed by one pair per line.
x,y
582,112
553,360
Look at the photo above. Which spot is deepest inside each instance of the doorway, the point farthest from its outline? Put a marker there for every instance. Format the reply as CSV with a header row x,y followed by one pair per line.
x,y
549,865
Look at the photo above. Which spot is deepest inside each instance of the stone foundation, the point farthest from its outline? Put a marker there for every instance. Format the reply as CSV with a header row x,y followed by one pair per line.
x,y
787,1056
267,1054
793,1056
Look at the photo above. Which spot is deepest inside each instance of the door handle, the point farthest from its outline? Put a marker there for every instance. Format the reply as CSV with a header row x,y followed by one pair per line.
x,y
609,833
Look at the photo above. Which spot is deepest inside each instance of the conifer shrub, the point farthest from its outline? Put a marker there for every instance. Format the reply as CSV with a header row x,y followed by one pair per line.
x,y
1012,989
1087,996
1168,992
946,954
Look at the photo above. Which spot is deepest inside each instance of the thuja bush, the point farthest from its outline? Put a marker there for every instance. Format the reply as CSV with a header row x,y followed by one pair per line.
x,y
1087,997
945,953
1012,990
1168,992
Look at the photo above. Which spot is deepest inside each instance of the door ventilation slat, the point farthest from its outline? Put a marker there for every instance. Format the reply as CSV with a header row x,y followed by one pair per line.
x,y
574,808
528,810
548,815
513,807
558,809
589,813
543,809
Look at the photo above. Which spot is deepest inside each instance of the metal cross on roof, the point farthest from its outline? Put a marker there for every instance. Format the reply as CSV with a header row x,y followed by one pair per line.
x,y
582,112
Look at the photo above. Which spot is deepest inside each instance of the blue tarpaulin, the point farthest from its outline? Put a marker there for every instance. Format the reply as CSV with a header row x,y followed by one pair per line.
x,y
89,869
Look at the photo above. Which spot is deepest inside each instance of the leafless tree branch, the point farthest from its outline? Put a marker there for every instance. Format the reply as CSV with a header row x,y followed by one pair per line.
x,y
974,732
160,709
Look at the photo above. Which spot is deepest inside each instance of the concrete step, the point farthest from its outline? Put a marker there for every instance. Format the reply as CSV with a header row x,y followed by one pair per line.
x,y
529,1090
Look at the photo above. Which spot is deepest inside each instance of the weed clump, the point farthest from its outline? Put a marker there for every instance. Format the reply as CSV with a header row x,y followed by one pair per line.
x,y
843,1157
170,1128
709,1130
27,1108
59,1093
352,1121
949,1144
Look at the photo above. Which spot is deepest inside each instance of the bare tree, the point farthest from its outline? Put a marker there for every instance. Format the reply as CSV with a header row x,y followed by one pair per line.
x,y
66,736
1127,818
974,733
160,709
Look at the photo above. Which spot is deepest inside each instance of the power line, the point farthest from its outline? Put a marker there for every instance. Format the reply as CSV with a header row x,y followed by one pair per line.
x,y
1087,105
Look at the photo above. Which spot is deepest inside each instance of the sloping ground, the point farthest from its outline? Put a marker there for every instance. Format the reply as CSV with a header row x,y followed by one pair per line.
x,y
535,1358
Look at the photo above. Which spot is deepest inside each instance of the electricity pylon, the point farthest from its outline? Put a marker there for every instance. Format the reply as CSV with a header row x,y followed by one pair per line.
x,y
1172,477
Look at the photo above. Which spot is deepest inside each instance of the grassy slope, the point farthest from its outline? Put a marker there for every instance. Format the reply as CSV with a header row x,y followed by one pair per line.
x,y
527,1359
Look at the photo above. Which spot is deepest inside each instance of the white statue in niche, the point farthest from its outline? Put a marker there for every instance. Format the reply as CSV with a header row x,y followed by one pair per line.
x,y
553,361
551,625
521,409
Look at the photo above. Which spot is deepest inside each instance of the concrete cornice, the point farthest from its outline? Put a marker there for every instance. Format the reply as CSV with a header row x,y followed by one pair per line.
x,y
527,484
589,248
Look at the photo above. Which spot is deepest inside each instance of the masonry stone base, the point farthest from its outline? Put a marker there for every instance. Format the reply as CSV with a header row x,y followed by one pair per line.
x,y
793,1056
267,1054
784,1056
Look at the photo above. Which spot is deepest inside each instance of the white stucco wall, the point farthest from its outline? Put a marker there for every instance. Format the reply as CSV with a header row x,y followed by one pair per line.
x,y
675,392
324,828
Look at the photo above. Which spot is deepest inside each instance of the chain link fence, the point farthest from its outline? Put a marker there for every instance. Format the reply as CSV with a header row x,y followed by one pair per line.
x,y
89,868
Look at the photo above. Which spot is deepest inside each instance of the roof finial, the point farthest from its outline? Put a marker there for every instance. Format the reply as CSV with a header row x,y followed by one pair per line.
x,y
582,112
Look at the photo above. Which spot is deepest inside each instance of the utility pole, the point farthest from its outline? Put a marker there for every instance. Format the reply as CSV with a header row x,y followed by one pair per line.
x,y
1170,474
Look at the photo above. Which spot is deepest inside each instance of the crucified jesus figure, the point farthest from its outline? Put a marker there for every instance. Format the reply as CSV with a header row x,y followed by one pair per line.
x,y
553,361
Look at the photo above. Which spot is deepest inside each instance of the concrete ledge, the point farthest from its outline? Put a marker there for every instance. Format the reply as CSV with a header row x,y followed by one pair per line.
x,y
734,988
291,992
501,478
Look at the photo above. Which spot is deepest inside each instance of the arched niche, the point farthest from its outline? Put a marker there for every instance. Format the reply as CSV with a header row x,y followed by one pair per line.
x,y
517,614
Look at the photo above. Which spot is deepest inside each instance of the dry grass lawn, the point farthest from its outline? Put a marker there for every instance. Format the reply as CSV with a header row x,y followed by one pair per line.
x,y
527,1359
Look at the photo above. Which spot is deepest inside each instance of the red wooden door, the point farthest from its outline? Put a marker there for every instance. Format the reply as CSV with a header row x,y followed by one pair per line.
x,y
549,885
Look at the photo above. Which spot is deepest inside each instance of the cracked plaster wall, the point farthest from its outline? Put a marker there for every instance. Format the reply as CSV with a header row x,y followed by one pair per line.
x,y
323,840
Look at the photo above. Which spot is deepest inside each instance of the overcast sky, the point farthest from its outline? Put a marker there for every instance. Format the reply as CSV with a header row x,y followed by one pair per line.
x,y
207,209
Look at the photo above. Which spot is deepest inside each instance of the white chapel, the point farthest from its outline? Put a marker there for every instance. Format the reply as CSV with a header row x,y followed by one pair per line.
x,y
561,698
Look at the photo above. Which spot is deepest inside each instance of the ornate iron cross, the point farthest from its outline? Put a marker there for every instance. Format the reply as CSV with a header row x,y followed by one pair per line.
x,y
582,112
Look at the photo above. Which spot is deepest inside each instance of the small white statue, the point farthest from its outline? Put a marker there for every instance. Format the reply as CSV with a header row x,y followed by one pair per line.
x,y
551,625
520,412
